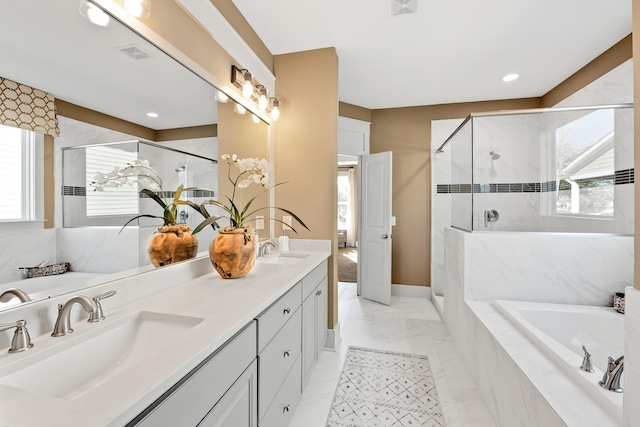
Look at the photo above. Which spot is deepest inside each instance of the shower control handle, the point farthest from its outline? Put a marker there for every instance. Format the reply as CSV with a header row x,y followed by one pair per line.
x,y
490,215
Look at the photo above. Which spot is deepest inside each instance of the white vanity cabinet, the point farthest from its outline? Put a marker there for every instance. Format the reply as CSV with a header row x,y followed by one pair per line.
x,y
221,391
279,345
314,317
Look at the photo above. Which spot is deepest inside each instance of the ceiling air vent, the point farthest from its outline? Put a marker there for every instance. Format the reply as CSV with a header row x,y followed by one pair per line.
x,y
403,7
135,52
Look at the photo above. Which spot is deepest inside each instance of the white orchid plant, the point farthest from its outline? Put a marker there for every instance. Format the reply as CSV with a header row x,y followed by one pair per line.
x,y
249,171
141,174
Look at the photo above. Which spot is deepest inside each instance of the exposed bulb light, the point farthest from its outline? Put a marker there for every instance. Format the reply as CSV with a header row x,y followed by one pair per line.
x,y
138,8
239,109
510,77
247,85
152,115
275,109
255,118
263,101
93,14
221,96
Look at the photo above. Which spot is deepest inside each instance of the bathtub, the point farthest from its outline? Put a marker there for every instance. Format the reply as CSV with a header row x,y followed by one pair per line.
x,y
561,330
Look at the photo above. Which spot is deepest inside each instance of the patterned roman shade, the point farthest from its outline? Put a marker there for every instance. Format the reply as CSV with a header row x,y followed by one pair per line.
x,y
24,107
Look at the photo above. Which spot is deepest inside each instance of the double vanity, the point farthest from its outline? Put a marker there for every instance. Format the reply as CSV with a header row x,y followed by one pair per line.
x,y
178,346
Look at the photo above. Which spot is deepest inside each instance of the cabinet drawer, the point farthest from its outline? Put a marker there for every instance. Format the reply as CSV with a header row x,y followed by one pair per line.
x,y
276,360
311,280
187,403
272,319
284,404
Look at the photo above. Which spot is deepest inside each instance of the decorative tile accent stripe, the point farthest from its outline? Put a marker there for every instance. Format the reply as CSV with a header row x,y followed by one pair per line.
x,y
68,190
381,388
625,176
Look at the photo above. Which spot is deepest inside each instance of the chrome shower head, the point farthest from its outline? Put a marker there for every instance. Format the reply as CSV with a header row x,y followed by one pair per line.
x,y
494,155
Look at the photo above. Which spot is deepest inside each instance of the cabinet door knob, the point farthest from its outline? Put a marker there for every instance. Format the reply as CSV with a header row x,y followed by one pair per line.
x,y
286,353
318,293
285,409
286,311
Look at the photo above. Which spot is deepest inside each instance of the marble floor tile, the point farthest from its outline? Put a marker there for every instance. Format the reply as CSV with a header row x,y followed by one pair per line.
x,y
408,325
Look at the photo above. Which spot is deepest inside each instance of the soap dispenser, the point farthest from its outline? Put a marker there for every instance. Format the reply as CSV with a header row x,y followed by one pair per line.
x,y
283,242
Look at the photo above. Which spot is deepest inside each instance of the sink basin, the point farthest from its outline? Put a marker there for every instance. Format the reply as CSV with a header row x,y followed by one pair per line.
x,y
285,258
73,371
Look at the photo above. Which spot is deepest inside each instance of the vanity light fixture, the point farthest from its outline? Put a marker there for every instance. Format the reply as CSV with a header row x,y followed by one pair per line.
x,y
93,13
138,8
275,109
510,77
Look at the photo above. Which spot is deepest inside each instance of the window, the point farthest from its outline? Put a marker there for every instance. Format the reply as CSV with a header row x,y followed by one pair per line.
x,y
16,174
585,165
343,200
113,200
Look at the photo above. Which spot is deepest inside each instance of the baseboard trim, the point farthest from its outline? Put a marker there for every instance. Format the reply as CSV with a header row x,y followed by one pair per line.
x,y
333,340
411,291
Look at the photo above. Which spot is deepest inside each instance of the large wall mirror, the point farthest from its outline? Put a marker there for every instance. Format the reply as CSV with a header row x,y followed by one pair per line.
x,y
106,80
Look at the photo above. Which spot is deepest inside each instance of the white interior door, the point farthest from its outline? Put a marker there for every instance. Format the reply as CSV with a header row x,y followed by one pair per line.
x,y
374,258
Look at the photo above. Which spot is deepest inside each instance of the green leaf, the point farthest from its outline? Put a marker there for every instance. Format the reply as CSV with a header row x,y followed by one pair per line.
x,y
154,196
209,221
141,216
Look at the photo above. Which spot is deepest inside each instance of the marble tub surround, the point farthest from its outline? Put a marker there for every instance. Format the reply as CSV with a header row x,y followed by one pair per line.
x,y
566,268
631,395
520,383
191,289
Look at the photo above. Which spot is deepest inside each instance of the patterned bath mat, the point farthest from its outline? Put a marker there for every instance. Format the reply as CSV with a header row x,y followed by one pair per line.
x,y
381,388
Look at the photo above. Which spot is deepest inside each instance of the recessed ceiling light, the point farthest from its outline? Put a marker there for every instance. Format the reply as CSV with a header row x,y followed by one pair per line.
x,y
154,115
510,77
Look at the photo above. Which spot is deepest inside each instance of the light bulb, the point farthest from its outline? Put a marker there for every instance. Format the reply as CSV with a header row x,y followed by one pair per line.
x,y
275,109
255,118
93,13
137,8
247,89
263,102
239,109
222,97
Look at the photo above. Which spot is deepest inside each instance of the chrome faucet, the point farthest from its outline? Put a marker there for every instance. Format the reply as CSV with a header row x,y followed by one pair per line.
x,y
98,315
611,378
14,292
63,322
21,340
265,247
586,361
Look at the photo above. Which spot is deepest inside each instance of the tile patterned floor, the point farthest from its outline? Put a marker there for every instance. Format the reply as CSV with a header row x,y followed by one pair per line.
x,y
408,325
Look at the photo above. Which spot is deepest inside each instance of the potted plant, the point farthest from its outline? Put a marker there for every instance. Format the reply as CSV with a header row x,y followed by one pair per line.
x,y
232,250
171,242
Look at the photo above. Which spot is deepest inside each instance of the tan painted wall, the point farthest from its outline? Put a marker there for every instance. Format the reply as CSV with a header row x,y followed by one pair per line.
x,y
238,134
305,148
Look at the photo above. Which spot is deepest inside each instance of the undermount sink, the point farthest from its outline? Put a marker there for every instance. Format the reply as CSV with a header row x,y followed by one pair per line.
x,y
285,258
87,363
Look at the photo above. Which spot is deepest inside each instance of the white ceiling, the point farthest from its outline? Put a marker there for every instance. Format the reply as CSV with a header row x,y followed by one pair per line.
x,y
450,50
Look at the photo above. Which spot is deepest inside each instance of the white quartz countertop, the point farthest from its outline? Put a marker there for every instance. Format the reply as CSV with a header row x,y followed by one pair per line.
x,y
225,307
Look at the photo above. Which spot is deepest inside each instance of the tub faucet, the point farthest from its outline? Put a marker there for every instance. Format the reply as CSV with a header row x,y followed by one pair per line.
x,y
611,378
14,292
265,247
586,361
63,322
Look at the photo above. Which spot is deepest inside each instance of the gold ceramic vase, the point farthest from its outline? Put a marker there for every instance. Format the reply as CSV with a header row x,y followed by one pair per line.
x,y
233,252
172,243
